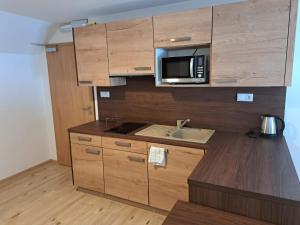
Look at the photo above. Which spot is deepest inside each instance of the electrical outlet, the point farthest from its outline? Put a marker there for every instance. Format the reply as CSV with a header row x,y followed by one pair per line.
x,y
245,97
104,94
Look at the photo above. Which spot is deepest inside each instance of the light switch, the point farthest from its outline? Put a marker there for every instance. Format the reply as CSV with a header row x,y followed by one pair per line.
x,y
104,94
245,97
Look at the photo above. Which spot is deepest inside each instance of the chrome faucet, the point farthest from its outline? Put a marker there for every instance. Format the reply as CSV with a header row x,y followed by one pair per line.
x,y
182,123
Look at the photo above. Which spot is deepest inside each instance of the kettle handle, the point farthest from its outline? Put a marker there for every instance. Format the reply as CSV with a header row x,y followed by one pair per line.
x,y
282,125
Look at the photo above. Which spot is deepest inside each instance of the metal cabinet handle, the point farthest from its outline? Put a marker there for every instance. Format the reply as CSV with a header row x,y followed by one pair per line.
x,y
87,139
179,39
87,108
123,144
86,82
92,151
136,159
226,81
142,68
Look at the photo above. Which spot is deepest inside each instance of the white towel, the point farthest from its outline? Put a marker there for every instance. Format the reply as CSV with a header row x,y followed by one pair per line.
x,y
157,156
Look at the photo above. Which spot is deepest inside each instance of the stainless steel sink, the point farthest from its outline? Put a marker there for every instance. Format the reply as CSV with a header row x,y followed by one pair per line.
x,y
171,132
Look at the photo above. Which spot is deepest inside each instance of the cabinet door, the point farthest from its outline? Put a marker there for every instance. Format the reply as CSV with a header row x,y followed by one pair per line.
x,y
250,43
88,167
125,175
169,184
183,28
91,55
130,47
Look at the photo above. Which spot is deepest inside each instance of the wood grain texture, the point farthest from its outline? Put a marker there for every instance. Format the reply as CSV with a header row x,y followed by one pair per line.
x,y
254,169
91,53
169,184
196,25
291,42
46,195
130,47
91,57
86,139
277,212
71,105
88,167
126,178
211,108
249,43
251,177
190,214
125,145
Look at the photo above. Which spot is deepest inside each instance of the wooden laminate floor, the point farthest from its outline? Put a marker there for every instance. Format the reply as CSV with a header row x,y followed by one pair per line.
x,y
45,196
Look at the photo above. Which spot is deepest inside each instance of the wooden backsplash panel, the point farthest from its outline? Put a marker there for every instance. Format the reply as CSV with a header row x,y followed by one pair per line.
x,y
208,107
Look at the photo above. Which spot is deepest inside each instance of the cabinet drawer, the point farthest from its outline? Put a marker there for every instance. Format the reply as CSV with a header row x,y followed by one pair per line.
x,y
88,167
86,152
125,145
85,139
169,184
126,175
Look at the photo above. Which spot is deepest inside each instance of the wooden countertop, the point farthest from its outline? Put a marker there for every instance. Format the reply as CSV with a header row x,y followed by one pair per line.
x,y
98,128
253,166
258,167
191,214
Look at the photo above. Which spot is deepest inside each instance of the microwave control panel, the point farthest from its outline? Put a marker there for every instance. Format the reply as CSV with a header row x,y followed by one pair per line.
x,y
200,67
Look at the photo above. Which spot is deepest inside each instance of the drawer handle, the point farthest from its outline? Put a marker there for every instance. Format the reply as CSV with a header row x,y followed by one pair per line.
x,y
92,151
123,144
226,81
86,82
142,68
136,159
179,39
87,139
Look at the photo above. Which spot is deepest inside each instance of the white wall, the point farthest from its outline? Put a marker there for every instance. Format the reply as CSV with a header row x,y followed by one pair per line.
x,y
26,127
292,117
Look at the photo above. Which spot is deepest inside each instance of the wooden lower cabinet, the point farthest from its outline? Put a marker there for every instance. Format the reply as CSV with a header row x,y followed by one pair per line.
x,y
125,175
169,184
119,167
88,167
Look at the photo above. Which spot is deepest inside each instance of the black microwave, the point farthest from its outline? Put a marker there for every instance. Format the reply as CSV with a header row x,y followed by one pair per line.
x,y
185,70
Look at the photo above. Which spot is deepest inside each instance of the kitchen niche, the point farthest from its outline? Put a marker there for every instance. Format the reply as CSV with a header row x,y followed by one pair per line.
x,y
164,52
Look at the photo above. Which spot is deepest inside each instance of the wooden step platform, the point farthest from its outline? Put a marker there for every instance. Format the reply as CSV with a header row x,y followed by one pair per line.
x,y
190,214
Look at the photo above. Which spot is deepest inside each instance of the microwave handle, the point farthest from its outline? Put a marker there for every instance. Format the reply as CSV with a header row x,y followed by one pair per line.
x,y
192,67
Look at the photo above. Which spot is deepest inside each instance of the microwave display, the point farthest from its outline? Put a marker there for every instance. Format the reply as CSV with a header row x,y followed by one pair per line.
x,y
186,69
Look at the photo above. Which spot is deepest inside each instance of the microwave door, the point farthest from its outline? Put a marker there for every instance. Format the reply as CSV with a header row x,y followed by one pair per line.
x,y
176,69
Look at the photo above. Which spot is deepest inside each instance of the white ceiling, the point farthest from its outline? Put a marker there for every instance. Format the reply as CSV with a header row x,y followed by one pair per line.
x,y
65,10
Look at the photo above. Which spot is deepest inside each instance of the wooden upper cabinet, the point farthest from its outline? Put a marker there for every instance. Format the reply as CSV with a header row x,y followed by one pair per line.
x,y
91,56
183,28
130,47
249,43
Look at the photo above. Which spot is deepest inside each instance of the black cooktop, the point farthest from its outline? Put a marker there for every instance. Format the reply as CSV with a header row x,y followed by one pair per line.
x,y
125,128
